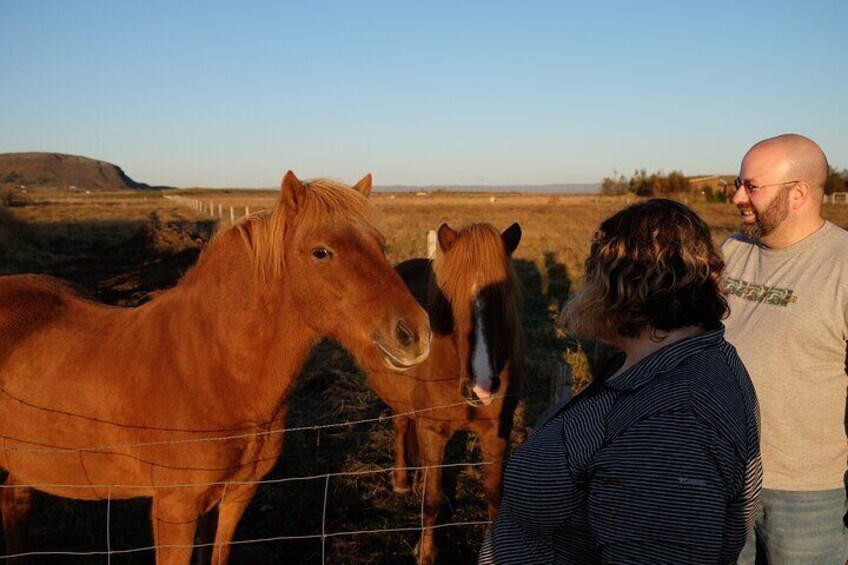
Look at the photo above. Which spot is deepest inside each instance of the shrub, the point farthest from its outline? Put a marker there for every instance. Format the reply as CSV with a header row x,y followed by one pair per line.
x,y
12,199
11,232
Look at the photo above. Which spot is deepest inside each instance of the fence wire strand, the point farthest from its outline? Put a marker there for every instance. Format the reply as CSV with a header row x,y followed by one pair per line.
x,y
323,536
246,435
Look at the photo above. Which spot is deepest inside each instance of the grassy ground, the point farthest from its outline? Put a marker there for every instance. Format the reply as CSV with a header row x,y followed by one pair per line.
x,y
122,246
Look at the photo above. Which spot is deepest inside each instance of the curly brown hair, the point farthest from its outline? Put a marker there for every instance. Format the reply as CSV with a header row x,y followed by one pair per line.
x,y
653,264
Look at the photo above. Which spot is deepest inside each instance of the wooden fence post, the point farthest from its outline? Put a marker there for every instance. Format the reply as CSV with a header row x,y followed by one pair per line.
x,y
431,244
561,383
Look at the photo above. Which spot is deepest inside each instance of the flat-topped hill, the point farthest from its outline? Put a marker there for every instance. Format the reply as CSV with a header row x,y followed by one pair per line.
x,y
57,170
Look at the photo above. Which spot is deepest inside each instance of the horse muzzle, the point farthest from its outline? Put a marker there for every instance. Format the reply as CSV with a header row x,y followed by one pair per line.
x,y
407,348
476,395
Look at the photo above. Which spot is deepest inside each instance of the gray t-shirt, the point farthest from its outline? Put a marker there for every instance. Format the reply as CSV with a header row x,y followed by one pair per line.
x,y
789,323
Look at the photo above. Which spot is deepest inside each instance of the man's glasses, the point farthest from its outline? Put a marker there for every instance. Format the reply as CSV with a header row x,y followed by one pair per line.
x,y
751,187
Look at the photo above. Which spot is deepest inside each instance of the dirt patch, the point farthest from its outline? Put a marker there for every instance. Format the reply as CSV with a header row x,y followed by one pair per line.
x,y
127,272
167,238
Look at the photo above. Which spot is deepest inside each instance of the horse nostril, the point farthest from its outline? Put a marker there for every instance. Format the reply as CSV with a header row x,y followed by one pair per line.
x,y
405,336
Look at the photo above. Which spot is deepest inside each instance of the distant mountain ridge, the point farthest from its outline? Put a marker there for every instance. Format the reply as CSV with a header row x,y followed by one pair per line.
x,y
58,170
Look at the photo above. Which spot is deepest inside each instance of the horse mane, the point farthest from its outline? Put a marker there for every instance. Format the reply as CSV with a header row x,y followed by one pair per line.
x,y
477,262
263,233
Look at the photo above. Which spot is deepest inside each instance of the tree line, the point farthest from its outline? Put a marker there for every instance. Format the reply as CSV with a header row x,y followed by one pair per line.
x,y
837,181
643,184
675,183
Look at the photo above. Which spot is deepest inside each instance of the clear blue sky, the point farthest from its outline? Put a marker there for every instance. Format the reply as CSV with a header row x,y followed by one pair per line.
x,y
234,93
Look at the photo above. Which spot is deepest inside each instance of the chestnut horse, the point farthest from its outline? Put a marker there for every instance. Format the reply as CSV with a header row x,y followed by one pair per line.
x,y
473,377
182,399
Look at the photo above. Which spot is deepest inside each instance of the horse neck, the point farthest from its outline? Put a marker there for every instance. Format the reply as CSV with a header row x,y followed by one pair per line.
x,y
245,332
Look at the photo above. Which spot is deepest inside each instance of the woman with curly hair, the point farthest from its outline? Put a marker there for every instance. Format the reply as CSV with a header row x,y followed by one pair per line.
x,y
658,460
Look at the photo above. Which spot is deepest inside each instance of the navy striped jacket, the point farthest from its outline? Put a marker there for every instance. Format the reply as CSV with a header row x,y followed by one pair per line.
x,y
659,465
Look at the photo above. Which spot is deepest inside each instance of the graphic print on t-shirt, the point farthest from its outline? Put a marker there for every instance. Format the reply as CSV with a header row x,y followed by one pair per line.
x,y
760,292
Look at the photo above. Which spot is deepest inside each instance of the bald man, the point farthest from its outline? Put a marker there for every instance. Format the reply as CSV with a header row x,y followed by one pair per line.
x,y
787,280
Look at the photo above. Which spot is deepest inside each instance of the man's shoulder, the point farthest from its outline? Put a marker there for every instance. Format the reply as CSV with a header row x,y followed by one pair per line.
x,y
735,243
832,246
840,235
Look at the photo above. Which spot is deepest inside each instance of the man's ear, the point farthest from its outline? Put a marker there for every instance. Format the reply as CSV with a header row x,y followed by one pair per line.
x,y
799,195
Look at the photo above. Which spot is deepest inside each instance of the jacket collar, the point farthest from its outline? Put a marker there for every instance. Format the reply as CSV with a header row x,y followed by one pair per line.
x,y
662,360
645,370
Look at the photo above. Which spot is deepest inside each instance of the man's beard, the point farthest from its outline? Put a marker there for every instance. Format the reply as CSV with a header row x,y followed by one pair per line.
x,y
769,219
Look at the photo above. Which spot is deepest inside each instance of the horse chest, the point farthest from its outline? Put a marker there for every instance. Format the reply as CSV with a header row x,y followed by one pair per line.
x,y
260,451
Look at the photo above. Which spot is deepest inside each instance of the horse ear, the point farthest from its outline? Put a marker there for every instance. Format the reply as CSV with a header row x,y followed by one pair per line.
x,y
363,187
292,192
447,237
511,237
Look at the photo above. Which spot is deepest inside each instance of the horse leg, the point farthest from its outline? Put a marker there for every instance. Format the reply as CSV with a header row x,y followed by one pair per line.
x,y
16,507
175,521
432,439
230,512
492,450
204,537
400,475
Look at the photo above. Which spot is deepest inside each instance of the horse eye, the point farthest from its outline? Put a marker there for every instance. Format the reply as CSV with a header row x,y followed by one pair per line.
x,y
322,254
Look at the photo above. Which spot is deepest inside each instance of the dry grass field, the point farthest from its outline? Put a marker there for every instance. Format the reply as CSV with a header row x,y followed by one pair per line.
x,y
121,247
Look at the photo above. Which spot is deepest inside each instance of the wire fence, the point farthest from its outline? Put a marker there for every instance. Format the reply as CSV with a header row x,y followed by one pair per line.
x,y
24,446
324,535
221,438
215,210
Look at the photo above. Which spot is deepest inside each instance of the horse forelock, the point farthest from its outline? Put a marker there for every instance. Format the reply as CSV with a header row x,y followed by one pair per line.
x,y
478,266
327,203
474,294
478,260
329,199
